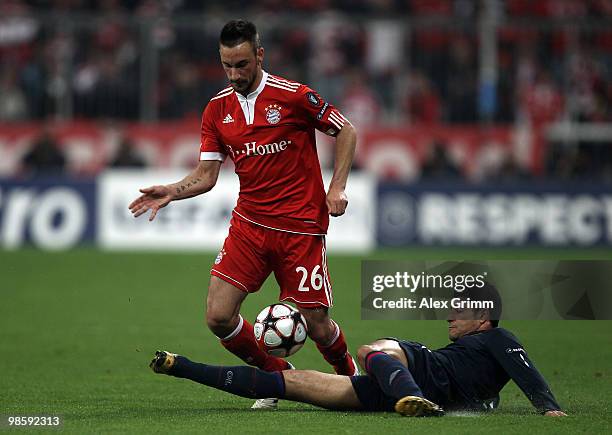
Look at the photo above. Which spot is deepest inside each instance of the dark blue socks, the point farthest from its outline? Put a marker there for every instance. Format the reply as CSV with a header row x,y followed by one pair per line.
x,y
242,381
394,378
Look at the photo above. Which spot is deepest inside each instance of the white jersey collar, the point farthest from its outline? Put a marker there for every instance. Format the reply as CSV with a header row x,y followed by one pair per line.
x,y
248,103
253,95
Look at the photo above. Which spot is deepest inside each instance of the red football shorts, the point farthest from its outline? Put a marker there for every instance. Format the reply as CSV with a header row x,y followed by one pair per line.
x,y
299,262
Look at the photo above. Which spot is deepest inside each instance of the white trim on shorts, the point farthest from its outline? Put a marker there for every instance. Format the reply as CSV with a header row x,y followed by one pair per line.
x,y
326,283
229,277
304,303
277,229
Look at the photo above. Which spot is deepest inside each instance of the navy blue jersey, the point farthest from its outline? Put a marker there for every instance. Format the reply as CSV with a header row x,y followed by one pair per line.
x,y
479,365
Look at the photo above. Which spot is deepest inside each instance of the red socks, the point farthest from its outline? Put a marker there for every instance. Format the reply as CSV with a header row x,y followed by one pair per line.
x,y
336,353
241,342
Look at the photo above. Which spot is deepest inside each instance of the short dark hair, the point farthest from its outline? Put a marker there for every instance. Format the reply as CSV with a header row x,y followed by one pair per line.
x,y
487,292
236,32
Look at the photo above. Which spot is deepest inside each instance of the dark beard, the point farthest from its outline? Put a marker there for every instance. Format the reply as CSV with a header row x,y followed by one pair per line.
x,y
244,86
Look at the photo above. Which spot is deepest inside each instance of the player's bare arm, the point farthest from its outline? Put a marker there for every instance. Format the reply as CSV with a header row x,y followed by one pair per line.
x,y
346,141
201,180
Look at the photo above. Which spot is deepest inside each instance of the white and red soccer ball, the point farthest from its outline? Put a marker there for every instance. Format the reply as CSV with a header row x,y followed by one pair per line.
x,y
280,330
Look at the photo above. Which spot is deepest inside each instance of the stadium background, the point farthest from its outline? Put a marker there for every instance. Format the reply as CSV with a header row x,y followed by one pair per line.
x,y
484,133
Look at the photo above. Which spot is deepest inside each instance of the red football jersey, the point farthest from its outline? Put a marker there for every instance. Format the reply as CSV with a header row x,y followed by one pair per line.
x,y
270,136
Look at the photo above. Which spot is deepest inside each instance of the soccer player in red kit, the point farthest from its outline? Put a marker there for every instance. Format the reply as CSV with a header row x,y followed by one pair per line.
x,y
266,125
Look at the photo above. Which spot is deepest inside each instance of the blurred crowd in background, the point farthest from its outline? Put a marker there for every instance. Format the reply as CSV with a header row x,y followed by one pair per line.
x,y
385,63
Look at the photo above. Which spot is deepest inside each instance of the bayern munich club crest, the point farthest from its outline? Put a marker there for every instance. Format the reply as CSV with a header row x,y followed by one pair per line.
x,y
220,256
273,114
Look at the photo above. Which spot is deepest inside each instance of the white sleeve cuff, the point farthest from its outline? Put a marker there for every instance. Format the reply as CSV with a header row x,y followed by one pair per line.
x,y
212,156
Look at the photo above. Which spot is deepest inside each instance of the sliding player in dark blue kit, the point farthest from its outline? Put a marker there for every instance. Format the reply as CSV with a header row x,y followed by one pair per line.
x,y
404,376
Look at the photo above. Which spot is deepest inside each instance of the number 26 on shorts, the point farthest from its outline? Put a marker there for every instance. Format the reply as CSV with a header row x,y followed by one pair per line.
x,y
316,279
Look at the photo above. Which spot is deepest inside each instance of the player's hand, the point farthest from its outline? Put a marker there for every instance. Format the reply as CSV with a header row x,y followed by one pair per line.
x,y
555,414
336,201
153,198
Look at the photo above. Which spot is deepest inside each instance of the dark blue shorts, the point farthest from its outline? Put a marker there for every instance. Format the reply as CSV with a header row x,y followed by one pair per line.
x,y
425,369
371,396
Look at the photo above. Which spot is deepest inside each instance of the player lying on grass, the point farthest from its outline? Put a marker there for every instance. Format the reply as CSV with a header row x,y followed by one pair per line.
x,y
404,376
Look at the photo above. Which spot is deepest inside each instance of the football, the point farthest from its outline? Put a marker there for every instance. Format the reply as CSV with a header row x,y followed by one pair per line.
x,y
280,330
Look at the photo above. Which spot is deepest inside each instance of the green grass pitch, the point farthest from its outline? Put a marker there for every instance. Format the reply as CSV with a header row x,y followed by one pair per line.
x,y
78,330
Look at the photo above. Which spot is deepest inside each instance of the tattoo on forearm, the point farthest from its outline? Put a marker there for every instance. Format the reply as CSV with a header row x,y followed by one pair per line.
x,y
189,184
